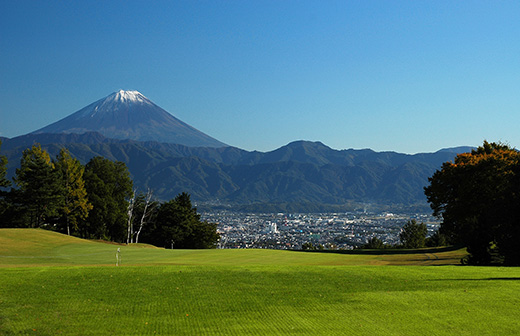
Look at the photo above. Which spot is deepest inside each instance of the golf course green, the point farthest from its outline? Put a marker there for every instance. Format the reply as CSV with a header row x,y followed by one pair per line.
x,y
53,284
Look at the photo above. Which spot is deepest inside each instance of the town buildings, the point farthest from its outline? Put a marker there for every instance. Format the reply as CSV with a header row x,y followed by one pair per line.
x,y
327,230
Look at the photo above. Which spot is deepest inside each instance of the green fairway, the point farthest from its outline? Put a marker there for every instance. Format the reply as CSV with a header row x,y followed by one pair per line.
x,y
34,247
244,292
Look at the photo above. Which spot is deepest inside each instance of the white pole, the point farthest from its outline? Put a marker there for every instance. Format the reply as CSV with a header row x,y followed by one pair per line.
x,y
118,256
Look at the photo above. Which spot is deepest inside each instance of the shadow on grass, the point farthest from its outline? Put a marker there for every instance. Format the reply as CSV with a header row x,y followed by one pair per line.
x,y
388,251
482,279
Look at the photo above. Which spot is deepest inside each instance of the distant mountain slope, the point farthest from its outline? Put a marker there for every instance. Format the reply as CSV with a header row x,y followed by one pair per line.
x,y
460,149
300,172
130,115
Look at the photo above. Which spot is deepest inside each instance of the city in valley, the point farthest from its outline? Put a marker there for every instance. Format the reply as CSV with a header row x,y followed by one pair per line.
x,y
333,231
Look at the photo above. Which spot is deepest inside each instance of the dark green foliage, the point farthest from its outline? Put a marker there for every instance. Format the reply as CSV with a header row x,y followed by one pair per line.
x,y
40,193
301,176
374,243
144,217
92,201
108,186
4,182
12,212
311,247
179,226
478,200
308,246
436,240
413,235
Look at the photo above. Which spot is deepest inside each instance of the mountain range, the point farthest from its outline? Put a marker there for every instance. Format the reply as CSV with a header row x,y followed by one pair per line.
x,y
301,176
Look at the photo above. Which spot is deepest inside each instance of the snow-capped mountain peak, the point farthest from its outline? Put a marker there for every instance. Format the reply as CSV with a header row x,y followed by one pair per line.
x,y
130,115
130,96
114,102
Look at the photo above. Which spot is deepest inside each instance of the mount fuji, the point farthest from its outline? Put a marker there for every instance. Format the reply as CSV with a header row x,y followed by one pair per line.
x,y
130,115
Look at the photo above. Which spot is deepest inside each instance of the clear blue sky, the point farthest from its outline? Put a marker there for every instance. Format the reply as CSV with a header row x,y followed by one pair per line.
x,y
405,76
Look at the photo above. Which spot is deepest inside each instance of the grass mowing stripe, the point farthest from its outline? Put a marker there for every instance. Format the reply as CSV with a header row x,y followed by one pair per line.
x,y
259,300
246,292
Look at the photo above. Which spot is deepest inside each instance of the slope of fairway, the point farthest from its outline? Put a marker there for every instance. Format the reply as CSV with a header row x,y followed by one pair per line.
x,y
245,292
35,247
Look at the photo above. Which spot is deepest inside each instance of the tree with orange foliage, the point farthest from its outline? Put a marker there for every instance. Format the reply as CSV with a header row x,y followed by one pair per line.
x,y
75,207
477,197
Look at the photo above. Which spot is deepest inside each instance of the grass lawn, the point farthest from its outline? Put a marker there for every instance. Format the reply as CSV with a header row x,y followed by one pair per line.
x,y
55,284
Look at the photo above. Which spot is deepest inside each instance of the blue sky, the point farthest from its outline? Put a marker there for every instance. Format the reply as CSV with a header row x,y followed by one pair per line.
x,y
405,76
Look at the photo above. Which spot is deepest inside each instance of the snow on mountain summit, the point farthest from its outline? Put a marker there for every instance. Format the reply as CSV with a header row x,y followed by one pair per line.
x,y
115,102
130,115
131,96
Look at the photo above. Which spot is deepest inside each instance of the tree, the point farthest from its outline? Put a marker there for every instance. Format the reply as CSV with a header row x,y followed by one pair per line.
x,y
41,193
374,243
130,214
179,226
413,235
4,182
477,198
436,239
148,208
308,246
75,205
108,187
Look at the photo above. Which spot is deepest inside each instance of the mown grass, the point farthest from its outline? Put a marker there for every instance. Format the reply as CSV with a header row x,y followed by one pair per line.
x,y
34,247
249,292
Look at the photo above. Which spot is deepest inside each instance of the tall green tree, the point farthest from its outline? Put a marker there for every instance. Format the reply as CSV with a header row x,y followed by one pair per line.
x,y
179,226
108,187
413,235
477,197
75,206
40,193
4,182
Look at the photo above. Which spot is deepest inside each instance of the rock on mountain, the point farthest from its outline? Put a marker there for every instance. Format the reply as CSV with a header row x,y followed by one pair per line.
x,y
130,115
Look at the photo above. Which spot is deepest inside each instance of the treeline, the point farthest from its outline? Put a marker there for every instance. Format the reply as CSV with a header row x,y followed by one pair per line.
x,y
96,201
412,236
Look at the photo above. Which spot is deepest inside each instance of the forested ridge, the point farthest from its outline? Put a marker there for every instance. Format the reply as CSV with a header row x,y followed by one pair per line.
x,y
302,172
